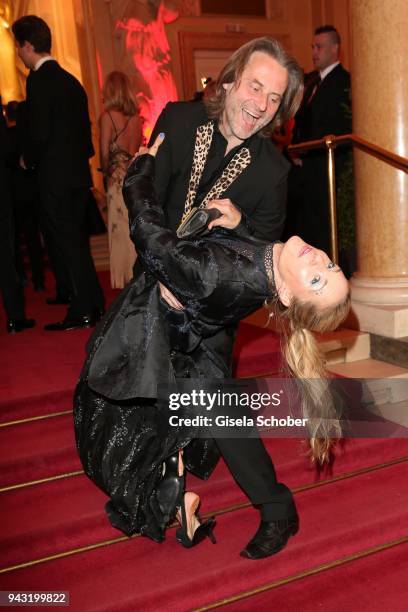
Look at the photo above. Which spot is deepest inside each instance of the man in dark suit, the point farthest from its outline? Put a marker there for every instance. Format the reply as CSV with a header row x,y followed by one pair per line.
x,y
59,146
10,284
218,155
25,196
325,110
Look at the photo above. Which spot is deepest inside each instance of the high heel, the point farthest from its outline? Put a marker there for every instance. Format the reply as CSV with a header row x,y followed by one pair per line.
x,y
168,491
202,531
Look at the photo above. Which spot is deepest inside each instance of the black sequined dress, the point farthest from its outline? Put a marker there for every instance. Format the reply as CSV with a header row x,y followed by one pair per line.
x,y
122,433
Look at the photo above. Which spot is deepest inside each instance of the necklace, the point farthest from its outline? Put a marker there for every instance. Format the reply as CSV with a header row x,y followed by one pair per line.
x,y
268,261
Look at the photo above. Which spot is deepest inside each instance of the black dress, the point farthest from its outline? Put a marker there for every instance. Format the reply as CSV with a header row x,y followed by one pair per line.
x,y
123,435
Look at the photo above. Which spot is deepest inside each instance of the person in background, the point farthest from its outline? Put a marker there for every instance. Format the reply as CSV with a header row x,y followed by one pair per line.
x,y
10,284
58,147
25,195
325,110
120,137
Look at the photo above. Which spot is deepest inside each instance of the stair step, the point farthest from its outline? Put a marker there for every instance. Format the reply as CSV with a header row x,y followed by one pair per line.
x,y
40,449
69,513
369,368
385,387
391,350
100,251
359,518
376,581
337,356
354,345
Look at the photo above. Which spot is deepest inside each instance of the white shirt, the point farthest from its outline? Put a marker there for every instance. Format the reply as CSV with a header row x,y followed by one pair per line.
x,y
42,61
326,71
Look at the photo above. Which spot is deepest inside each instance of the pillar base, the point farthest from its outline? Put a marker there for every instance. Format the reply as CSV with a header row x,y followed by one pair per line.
x,y
380,306
381,291
389,321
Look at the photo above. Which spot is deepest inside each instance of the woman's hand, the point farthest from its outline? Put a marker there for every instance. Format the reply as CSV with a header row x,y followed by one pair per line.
x,y
151,150
155,146
170,298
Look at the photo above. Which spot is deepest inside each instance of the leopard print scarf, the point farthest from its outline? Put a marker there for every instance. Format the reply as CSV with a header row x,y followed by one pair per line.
x,y
235,167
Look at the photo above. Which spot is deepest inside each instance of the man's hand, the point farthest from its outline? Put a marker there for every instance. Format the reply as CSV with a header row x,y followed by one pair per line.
x,y
295,159
170,298
22,164
231,216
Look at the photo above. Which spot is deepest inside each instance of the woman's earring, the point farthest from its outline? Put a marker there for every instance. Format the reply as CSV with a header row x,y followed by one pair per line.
x,y
271,313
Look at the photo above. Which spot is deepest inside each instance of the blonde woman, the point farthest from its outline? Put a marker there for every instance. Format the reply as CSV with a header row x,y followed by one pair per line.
x,y
123,433
120,138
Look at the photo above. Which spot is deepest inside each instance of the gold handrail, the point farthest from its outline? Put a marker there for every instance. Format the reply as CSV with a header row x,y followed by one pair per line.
x,y
330,142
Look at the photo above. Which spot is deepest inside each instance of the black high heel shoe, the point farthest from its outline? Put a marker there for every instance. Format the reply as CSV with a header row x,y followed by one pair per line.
x,y
168,491
203,530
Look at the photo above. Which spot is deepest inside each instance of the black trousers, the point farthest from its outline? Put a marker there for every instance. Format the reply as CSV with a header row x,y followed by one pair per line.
x,y
308,205
10,284
241,448
63,215
252,468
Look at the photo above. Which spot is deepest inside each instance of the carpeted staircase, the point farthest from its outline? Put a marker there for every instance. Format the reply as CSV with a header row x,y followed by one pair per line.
x,y
351,551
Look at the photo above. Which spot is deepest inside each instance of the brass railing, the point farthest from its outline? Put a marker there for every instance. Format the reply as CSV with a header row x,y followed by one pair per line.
x,y
331,142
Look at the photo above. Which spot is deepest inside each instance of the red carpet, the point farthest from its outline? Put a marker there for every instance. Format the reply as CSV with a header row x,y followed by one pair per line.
x,y
39,369
342,519
349,553
373,583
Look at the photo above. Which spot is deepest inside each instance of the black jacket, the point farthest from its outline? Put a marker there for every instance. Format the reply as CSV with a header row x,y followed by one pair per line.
x,y
328,111
260,191
220,278
59,142
142,343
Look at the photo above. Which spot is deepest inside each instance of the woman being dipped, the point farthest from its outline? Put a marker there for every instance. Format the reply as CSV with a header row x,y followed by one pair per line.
x,y
120,137
123,435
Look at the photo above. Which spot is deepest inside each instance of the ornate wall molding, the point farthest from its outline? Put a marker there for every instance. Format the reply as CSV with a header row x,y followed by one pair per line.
x,y
190,42
188,8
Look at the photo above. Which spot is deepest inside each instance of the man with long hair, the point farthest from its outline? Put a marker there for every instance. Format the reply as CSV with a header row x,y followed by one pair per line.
x,y
219,154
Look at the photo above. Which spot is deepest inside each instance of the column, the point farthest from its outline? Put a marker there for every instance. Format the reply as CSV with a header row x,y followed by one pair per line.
x,y
380,115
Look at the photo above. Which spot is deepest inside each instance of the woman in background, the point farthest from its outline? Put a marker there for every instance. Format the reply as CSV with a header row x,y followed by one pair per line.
x,y
120,138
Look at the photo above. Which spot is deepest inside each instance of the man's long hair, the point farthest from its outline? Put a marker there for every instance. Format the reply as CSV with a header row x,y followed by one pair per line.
x,y
232,72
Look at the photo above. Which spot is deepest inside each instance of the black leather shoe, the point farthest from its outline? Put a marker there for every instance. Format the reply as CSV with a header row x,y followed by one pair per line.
x,y
69,323
168,491
18,325
270,538
59,299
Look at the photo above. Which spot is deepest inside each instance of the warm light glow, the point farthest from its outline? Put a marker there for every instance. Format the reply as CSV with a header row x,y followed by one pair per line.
x,y
99,69
148,47
10,86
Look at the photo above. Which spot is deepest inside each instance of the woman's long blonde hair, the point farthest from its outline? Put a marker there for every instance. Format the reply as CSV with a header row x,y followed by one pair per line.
x,y
306,363
117,94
